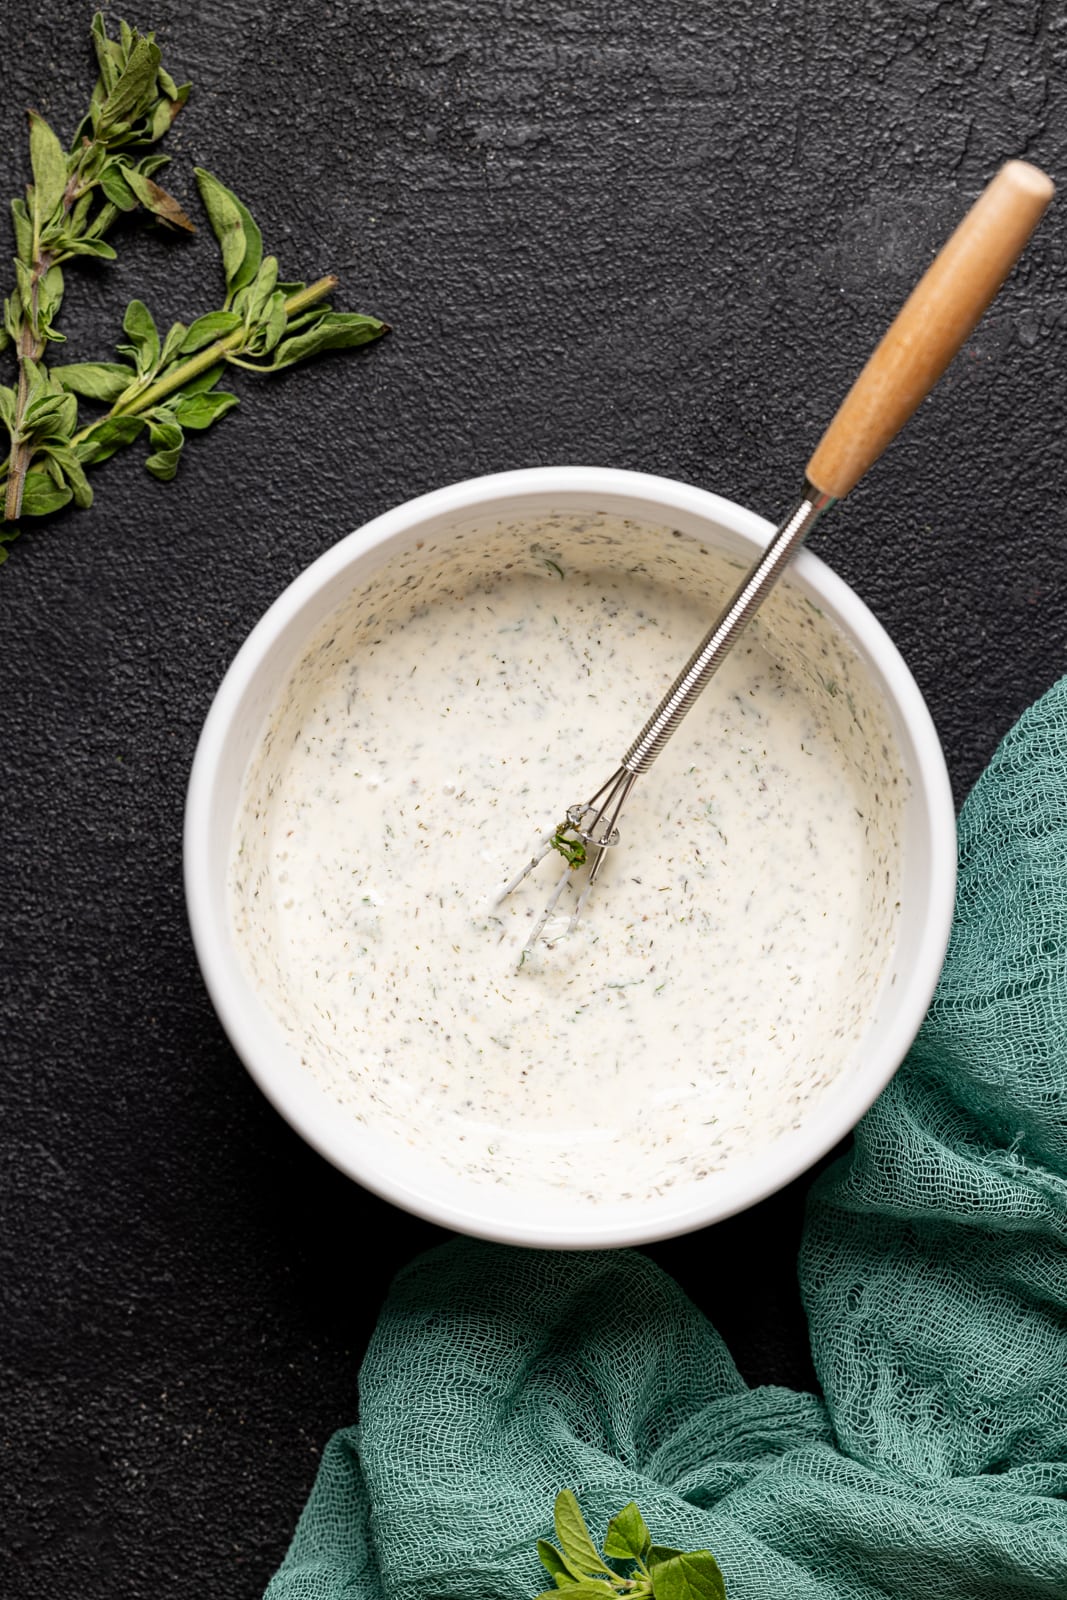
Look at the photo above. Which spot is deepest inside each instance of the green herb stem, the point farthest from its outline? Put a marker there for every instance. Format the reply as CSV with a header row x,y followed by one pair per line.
x,y
29,349
171,380
178,376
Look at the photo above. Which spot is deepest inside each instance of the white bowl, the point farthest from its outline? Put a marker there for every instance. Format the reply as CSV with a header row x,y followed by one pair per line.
x,y
234,729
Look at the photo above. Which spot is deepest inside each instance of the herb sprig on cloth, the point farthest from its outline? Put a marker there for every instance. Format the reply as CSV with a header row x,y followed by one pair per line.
x,y
163,384
654,1572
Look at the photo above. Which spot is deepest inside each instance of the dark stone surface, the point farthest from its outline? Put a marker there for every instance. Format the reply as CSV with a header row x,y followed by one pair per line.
x,y
655,236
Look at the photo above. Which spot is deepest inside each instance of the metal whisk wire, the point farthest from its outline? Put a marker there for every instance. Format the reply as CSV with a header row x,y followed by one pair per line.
x,y
590,829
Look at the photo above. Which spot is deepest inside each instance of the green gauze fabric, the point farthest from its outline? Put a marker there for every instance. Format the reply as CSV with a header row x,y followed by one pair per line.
x,y
934,1271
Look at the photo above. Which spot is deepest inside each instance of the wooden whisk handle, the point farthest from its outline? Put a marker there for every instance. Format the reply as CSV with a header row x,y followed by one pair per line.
x,y
930,327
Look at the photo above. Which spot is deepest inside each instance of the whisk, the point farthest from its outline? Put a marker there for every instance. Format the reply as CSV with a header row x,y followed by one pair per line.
x,y
939,314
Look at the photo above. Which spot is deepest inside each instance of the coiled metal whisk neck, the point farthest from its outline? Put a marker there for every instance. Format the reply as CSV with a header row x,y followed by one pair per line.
x,y
720,639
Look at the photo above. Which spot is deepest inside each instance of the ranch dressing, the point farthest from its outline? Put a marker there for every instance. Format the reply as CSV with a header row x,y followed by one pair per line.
x,y
734,945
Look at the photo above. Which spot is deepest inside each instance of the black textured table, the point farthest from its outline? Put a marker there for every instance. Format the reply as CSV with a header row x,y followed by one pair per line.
x,y
652,236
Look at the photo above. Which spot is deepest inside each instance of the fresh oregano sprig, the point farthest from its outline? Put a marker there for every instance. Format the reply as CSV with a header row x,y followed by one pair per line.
x,y
166,385
75,197
169,384
650,1571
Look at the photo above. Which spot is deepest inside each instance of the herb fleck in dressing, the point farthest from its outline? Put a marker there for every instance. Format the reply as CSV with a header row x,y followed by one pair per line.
x,y
735,944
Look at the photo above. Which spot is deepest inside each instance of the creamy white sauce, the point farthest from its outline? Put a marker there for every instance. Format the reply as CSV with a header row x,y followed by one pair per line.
x,y
738,937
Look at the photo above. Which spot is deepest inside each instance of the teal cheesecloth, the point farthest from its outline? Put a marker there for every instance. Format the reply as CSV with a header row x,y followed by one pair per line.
x,y
934,1275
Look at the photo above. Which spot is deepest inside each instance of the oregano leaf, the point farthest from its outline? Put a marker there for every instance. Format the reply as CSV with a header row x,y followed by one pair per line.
x,y
108,52
131,86
174,97
41,497
335,330
205,330
50,292
113,182
168,438
144,337
275,323
47,463
80,214
659,1553
158,201
579,1551
37,379
627,1537
694,1576
163,430
199,411
304,319
172,343
262,289
74,474
95,380
240,300
203,381
102,221
49,166
162,117
41,410
24,281
107,436
151,164
582,1589
51,415
235,229
12,316
554,1564
224,216
98,248
23,227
